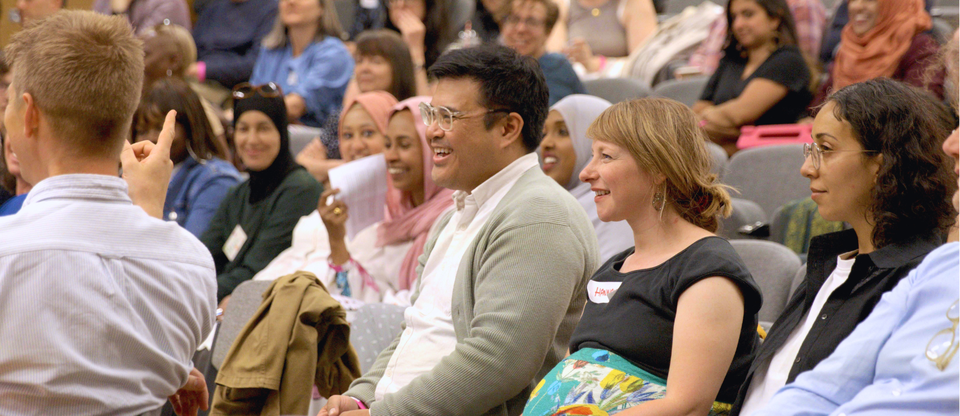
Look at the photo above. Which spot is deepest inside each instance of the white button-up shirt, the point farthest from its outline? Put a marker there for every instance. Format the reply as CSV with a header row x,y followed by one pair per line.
x,y
429,335
102,305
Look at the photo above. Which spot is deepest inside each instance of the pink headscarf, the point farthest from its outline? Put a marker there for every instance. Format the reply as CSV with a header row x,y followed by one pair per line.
x,y
404,222
379,104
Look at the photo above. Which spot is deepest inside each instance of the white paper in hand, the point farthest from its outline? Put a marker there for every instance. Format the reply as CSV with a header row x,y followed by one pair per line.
x,y
363,187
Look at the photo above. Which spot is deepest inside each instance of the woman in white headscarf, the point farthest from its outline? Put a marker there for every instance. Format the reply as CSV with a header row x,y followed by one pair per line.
x,y
565,151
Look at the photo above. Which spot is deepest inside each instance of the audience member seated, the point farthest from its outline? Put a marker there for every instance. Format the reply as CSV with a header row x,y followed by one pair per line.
x,y
17,186
565,151
487,18
591,32
228,35
691,302
33,10
809,16
255,220
503,278
305,57
762,78
202,177
143,15
380,263
106,305
383,63
525,29
424,26
881,364
169,51
831,36
863,148
8,183
361,128
885,38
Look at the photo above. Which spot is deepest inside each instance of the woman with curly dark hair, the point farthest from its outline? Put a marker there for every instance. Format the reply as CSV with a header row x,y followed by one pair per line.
x,y
875,164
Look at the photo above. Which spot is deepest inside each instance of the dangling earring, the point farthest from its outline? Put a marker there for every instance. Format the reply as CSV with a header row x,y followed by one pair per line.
x,y
169,72
659,202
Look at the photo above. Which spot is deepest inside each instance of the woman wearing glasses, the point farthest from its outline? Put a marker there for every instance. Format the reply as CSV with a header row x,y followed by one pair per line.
x,y
903,357
876,164
303,54
670,326
255,220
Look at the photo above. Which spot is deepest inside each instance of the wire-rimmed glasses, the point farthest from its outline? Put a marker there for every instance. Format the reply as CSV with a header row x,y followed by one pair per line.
x,y
943,345
444,116
813,149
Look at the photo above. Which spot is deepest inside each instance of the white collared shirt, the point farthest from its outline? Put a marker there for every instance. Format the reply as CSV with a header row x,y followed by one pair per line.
x,y
767,381
429,335
102,305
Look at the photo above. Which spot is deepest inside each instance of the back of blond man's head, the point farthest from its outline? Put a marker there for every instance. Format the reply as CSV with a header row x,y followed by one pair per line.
x,y
85,73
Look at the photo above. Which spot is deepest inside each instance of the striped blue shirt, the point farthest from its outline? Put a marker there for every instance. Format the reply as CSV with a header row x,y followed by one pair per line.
x,y
102,306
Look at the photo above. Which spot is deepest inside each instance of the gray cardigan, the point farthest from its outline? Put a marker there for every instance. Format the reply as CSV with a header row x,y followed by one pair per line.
x,y
517,298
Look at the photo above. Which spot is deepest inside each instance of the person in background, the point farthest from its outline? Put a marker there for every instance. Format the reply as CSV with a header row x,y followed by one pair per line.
x,y
876,165
487,18
202,177
565,151
831,36
143,15
304,55
361,127
886,38
255,221
140,296
882,365
809,16
691,302
383,63
591,32
502,279
525,29
387,252
228,35
8,182
762,79
34,10
13,180
424,26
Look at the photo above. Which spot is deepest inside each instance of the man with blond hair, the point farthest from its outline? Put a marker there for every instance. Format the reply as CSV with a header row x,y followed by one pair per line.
x,y
103,305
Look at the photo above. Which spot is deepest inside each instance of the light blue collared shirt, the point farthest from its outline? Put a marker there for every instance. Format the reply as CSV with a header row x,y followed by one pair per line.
x,y
882,367
103,306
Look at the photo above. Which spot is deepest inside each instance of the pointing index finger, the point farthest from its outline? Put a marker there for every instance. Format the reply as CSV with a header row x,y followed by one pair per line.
x,y
165,140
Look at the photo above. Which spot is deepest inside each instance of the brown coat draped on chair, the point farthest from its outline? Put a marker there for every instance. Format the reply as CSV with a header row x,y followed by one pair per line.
x,y
298,337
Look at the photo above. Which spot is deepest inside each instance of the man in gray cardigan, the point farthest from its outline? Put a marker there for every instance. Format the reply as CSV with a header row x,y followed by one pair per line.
x,y
503,280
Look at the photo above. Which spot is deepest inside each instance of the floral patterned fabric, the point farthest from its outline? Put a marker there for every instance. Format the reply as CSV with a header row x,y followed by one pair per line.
x,y
597,382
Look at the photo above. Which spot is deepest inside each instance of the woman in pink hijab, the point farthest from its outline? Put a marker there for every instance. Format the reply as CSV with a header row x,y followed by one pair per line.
x,y
379,263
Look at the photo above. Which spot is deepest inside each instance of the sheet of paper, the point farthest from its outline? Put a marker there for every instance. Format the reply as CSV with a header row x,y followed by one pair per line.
x,y
363,187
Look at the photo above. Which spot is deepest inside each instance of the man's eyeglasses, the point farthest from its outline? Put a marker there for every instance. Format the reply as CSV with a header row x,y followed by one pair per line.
x,y
943,346
444,116
246,90
813,149
529,22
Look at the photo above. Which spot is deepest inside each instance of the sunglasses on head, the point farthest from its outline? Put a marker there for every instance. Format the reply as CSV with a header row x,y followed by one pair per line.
x,y
246,90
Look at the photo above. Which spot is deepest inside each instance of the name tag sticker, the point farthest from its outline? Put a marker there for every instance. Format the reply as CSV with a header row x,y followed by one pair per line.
x,y
601,292
234,243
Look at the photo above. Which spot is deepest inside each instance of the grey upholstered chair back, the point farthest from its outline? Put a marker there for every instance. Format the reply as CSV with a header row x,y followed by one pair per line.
x,y
769,175
244,302
718,158
797,279
744,213
616,90
686,91
300,137
773,267
373,328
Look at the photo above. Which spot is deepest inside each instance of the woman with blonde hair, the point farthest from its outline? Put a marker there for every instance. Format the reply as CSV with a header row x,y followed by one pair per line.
x,y
304,55
670,325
